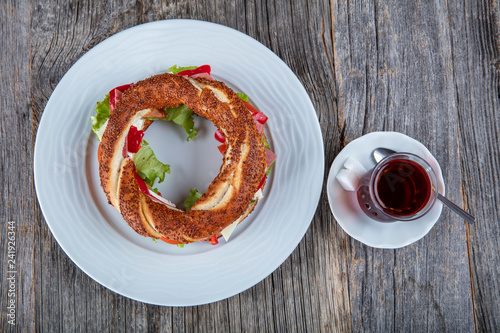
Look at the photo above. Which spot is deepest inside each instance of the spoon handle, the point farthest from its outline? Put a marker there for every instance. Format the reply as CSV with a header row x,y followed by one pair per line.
x,y
468,217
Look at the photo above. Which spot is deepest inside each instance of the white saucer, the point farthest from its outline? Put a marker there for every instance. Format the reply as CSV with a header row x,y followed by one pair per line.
x,y
354,221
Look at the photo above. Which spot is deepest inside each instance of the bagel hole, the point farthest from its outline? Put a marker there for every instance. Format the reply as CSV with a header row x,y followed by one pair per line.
x,y
193,164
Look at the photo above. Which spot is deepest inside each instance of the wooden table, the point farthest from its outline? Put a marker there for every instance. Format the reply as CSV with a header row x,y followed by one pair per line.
x,y
428,69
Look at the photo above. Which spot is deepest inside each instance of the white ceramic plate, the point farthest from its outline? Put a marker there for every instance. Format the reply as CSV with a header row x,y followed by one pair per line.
x,y
356,223
93,234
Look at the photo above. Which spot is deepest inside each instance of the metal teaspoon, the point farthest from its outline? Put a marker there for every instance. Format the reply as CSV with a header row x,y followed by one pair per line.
x,y
380,153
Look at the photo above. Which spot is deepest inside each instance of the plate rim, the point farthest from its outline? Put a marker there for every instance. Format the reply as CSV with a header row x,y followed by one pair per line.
x,y
43,120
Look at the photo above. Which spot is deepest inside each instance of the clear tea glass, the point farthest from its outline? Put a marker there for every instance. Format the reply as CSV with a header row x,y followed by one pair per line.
x,y
401,187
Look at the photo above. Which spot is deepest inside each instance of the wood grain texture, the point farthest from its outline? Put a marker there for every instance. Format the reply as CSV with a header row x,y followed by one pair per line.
x,y
18,196
477,83
429,69
394,72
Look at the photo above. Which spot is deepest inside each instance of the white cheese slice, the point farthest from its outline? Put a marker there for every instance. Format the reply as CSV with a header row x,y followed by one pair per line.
x,y
227,231
101,130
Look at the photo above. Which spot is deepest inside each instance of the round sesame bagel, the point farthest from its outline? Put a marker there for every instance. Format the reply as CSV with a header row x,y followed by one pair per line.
x,y
229,198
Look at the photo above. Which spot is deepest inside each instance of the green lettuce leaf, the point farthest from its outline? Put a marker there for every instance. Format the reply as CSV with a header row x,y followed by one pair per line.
x,y
264,142
148,167
266,145
102,115
182,115
176,69
243,97
269,170
194,195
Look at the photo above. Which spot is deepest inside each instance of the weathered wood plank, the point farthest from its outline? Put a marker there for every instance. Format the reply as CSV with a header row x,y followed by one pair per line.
x,y
475,28
424,68
119,17
394,71
301,34
16,174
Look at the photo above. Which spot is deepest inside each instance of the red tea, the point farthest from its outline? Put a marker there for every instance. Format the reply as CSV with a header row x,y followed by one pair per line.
x,y
402,187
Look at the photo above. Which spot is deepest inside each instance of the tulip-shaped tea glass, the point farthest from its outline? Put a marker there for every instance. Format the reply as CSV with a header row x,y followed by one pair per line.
x,y
401,187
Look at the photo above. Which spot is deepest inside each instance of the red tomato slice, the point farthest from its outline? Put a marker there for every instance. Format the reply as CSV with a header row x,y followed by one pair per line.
x,y
201,69
261,183
115,95
166,240
142,184
213,240
219,136
251,108
99,154
260,117
222,148
256,114
134,138
143,187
